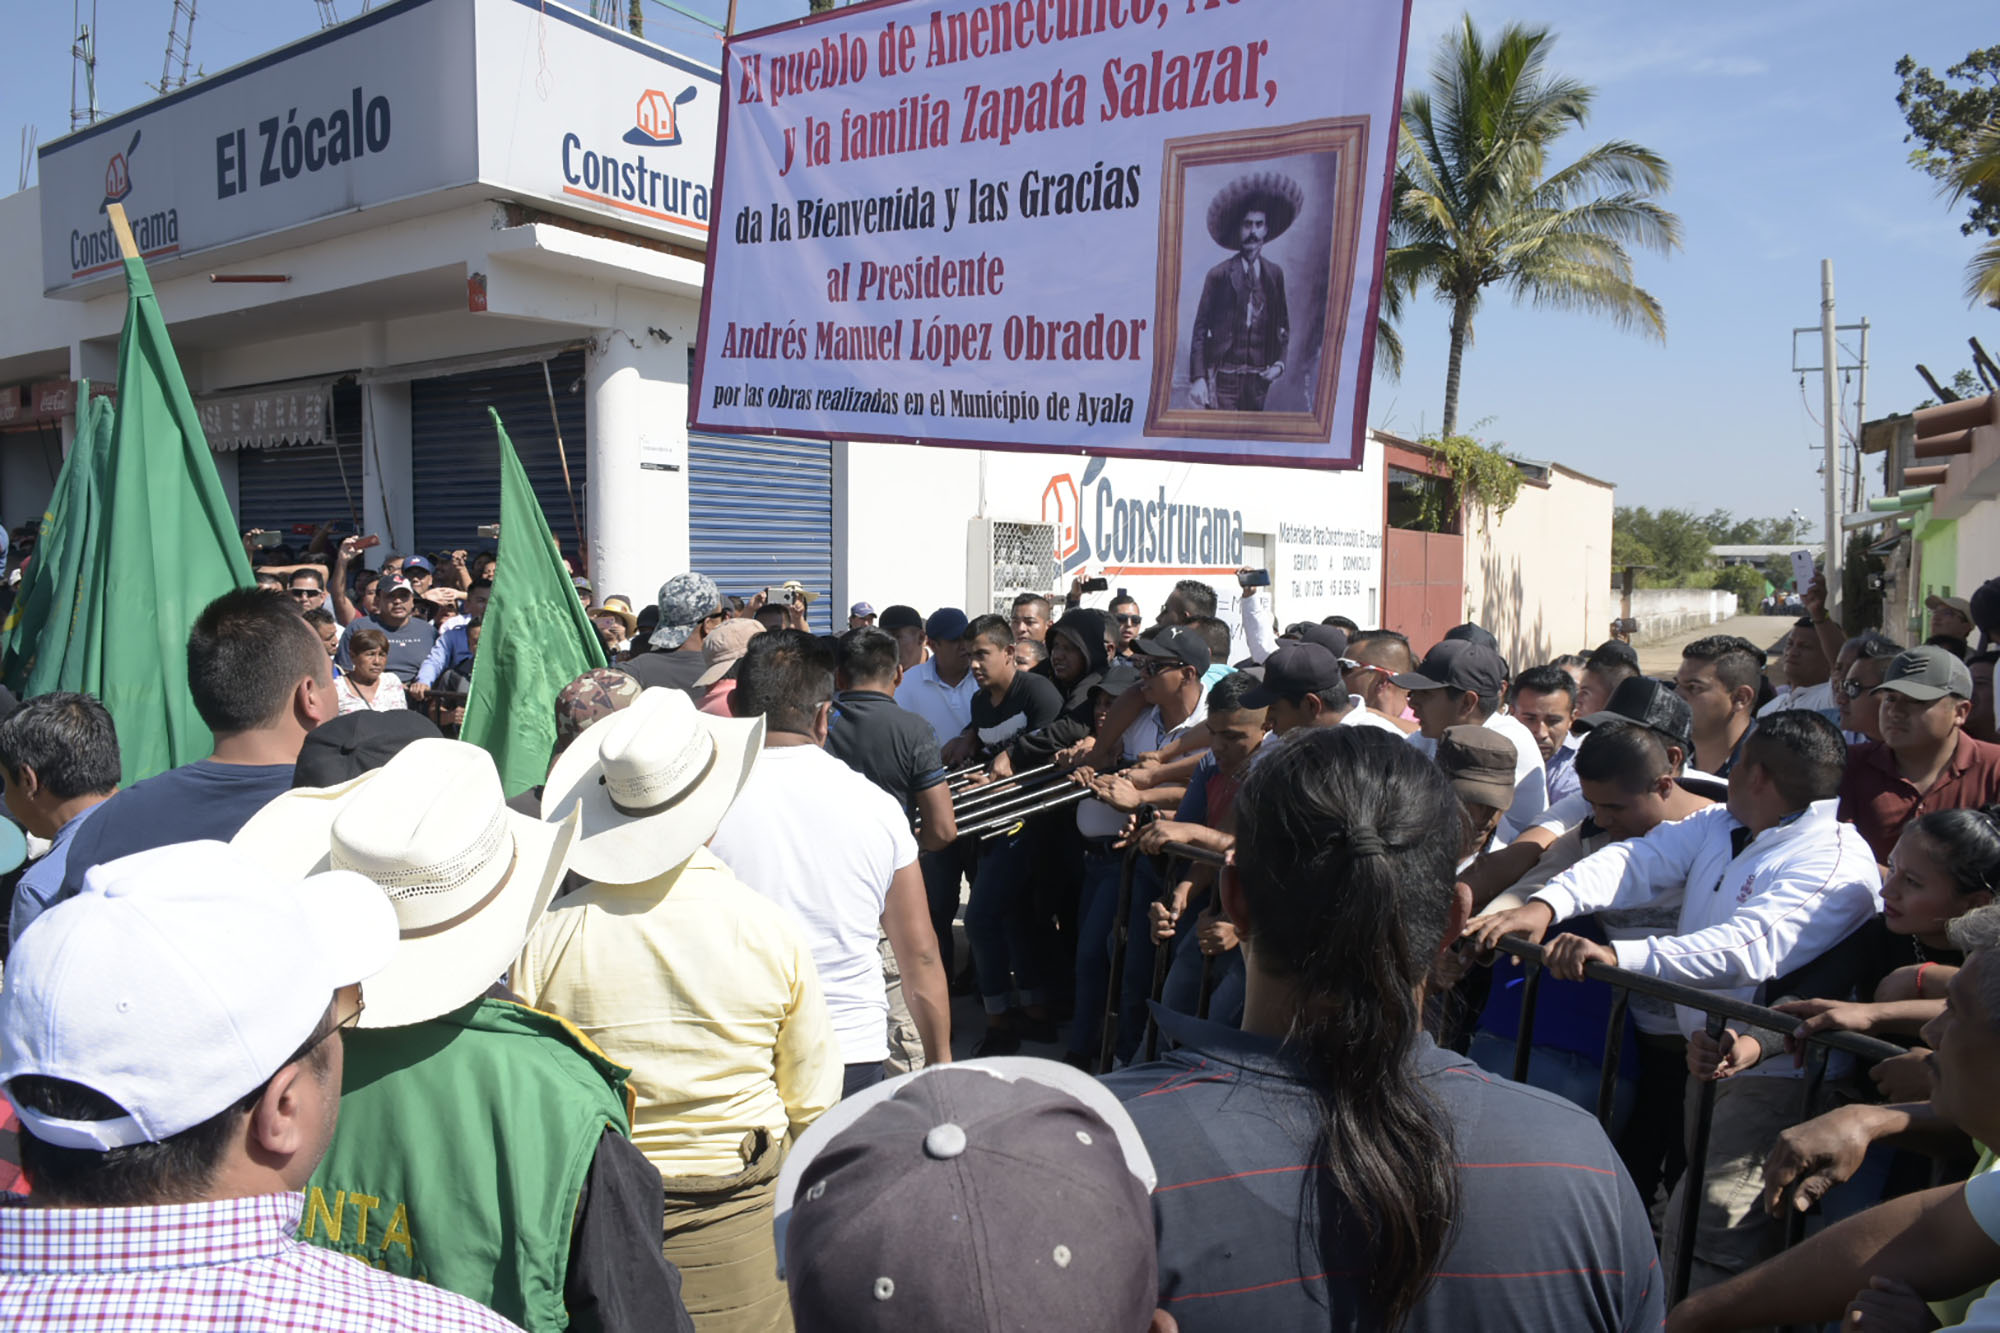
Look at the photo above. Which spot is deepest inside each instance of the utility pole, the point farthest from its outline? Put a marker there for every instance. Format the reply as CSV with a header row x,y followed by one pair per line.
x,y
1861,420
1829,362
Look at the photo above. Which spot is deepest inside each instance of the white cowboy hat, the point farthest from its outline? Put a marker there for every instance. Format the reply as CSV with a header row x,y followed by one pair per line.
x,y
467,876
650,783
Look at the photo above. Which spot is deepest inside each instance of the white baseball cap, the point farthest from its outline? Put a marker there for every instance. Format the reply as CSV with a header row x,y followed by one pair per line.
x,y
178,981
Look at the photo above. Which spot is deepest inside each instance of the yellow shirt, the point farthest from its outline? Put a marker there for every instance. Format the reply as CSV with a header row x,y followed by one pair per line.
x,y
708,993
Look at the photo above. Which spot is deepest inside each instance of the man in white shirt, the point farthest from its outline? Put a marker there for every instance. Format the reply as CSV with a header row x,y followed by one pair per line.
x,y
939,689
1768,882
813,835
1459,684
1808,674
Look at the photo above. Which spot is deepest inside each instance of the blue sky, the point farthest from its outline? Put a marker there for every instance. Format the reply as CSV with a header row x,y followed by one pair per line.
x,y
1779,119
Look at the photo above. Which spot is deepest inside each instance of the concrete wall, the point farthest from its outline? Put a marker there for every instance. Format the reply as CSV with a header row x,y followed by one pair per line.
x,y
1539,576
1665,612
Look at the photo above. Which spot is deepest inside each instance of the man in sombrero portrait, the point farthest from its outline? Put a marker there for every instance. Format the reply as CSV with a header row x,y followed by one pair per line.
x,y
1241,326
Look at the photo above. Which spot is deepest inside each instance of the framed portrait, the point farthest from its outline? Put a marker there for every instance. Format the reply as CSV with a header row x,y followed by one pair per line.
x,y
1257,242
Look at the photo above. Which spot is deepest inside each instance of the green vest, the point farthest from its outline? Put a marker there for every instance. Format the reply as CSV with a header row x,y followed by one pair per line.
x,y
461,1152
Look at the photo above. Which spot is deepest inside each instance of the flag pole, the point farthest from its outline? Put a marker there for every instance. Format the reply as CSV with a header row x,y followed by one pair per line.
x,y
122,229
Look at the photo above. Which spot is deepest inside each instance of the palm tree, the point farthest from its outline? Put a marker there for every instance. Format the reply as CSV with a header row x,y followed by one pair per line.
x,y
1478,205
1981,167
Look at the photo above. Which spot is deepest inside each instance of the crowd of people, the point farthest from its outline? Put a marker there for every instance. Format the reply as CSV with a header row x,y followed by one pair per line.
x,y
328,1030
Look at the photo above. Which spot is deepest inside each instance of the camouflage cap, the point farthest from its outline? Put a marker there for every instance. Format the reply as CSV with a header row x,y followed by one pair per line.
x,y
592,697
685,601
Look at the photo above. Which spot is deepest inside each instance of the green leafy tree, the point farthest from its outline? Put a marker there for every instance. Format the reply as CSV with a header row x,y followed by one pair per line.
x,y
1945,116
1976,174
1745,581
1479,205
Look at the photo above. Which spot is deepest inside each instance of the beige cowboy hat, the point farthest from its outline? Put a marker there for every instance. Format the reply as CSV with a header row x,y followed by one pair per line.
x,y
467,876
649,785
619,609
1273,193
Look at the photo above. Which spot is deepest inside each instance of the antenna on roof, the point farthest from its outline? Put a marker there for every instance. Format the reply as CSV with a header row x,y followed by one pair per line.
x,y
174,71
83,61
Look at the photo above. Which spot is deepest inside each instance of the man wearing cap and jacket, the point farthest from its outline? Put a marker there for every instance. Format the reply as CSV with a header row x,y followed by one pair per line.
x,y
172,1039
704,988
1925,761
410,637
1460,682
483,1145
690,606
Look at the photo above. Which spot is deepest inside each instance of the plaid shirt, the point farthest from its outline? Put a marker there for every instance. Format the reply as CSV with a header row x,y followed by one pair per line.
x,y
232,1264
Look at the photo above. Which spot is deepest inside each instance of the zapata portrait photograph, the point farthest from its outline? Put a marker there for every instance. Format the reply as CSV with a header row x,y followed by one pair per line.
x,y
1256,267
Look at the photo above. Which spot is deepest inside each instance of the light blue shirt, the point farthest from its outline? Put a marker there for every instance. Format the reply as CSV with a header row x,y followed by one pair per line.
x,y
42,882
452,649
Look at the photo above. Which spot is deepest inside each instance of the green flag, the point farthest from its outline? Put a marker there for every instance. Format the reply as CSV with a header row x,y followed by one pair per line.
x,y
157,546
534,640
52,591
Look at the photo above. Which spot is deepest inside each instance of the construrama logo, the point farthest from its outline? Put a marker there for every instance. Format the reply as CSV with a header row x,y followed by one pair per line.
x,y
157,233
656,124
1095,524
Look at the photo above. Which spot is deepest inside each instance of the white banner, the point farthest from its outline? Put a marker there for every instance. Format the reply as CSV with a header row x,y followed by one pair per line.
x,y
262,418
1133,227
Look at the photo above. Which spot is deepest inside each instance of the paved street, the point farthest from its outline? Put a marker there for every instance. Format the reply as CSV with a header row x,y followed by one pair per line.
x,y
1661,658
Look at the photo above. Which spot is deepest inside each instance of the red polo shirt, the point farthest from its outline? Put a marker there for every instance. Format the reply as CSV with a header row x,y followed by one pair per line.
x,y
1878,800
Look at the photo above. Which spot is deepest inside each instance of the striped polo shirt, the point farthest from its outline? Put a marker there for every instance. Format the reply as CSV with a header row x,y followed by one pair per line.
x,y
1550,1233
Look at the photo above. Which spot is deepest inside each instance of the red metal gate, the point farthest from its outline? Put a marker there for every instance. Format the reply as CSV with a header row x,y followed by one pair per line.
x,y
1425,572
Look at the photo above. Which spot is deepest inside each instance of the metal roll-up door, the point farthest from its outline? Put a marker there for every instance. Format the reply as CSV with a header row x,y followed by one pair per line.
x,y
761,512
292,485
455,461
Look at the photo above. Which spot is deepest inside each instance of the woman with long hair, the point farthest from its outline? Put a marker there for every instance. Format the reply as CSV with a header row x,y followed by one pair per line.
x,y
1328,1166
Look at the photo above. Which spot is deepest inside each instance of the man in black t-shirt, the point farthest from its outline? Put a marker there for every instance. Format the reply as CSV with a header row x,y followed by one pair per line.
x,y
689,607
890,746
998,920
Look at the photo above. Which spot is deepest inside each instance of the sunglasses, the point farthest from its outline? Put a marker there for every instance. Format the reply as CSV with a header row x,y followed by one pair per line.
x,y
1852,689
1131,620
303,593
1161,668
342,1023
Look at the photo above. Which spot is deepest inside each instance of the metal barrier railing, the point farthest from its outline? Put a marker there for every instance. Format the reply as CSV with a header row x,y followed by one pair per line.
x,y
1721,1009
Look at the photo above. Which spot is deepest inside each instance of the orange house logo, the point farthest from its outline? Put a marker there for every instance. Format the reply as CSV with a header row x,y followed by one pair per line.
x,y
1062,506
656,121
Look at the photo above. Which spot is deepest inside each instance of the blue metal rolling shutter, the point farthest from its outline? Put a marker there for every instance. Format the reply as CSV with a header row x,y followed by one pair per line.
x,y
761,512
454,462
285,485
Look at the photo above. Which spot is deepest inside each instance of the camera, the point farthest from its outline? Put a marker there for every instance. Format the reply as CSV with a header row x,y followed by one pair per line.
x,y
1096,585
779,596
1254,578
489,531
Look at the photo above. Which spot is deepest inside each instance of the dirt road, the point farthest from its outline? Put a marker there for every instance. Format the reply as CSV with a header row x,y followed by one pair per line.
x,y
1663,657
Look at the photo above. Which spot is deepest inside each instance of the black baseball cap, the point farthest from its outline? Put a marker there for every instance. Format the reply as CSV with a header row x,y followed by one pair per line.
x,y
899,617
1177,644
1296,670
1615,650
946,623
1471,633
1457,664
1645,702
355,743
1330,637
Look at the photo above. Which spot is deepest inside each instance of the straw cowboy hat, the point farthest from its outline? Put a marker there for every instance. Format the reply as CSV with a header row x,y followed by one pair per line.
x,y
1276,195
650,784
466,875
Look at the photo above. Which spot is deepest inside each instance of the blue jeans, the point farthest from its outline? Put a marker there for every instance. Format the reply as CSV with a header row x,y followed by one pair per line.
x,y
1225,981
997,923
943,869
1096,910
1139,953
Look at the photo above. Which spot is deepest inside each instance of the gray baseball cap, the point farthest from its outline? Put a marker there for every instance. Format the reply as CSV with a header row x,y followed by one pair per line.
x,y
1927,674
685,601
999,1193
1480,764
